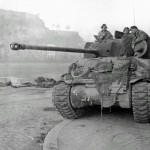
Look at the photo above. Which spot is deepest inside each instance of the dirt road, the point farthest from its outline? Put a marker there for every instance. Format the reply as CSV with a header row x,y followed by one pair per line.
x,y
26,116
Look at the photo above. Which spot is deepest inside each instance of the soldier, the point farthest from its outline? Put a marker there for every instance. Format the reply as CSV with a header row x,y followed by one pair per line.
x,y
126,46
126,31
104,34
138,35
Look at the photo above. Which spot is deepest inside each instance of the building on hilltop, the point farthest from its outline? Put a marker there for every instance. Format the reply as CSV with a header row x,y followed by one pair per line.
x,y
28,28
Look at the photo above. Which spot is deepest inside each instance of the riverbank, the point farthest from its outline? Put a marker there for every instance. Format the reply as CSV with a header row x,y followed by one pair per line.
x,y
33,70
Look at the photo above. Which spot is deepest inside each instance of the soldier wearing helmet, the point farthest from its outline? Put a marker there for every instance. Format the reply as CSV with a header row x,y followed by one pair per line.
x,y
104,34
126,45
138,35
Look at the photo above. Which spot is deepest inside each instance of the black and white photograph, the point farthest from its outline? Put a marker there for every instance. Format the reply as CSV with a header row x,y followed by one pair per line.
x,y
74,75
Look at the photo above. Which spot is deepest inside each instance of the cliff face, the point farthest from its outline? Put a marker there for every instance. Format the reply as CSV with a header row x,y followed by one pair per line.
x,y
30,29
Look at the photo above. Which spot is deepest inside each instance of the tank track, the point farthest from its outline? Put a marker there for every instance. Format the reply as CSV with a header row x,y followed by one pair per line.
x,y
141,102
61,100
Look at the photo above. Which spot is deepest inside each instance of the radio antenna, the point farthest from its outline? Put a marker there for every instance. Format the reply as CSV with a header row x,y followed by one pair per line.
x,y
133,13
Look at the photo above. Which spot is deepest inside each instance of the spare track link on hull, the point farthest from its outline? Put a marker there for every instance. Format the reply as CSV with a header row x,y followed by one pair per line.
x,y
61,100
141,102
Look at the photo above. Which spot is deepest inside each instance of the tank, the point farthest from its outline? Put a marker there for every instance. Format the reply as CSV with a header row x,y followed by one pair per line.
x,y
103,78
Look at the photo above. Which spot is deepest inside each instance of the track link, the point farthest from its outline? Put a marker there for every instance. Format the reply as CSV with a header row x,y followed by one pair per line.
x,y
141,102
61,100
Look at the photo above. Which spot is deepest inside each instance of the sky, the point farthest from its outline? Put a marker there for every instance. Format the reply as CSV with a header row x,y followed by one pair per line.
x,y
86,16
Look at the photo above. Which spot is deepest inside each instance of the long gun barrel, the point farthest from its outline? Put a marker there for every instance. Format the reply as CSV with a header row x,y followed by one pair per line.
x,y
17,46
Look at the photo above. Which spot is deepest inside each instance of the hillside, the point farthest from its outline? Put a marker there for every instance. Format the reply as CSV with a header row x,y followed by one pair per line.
x,y
30,29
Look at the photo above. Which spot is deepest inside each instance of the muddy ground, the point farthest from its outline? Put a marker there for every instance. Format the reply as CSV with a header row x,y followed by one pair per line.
x,y
26,116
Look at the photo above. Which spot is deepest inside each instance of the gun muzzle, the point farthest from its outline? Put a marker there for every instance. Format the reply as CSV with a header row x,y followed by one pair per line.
x,y
16,46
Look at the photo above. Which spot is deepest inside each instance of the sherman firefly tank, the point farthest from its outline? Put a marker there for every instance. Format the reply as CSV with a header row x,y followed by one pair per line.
x,y
104,78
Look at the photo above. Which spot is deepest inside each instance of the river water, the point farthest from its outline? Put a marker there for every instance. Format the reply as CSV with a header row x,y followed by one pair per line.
x,y
33,70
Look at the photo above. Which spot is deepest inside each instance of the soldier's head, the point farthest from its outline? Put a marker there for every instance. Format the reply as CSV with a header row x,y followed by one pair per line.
x,y
104,27
126,30
134,29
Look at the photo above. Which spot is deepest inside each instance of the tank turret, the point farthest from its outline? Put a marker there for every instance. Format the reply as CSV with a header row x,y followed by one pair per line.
x,y
109,48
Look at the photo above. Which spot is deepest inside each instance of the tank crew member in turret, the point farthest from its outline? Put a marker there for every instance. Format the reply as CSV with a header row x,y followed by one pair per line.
x,y
138,35
126,31
126,46
104,34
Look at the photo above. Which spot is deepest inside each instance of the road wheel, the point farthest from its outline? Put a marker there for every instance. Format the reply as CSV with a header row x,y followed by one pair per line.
x,y
61,100
141,102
